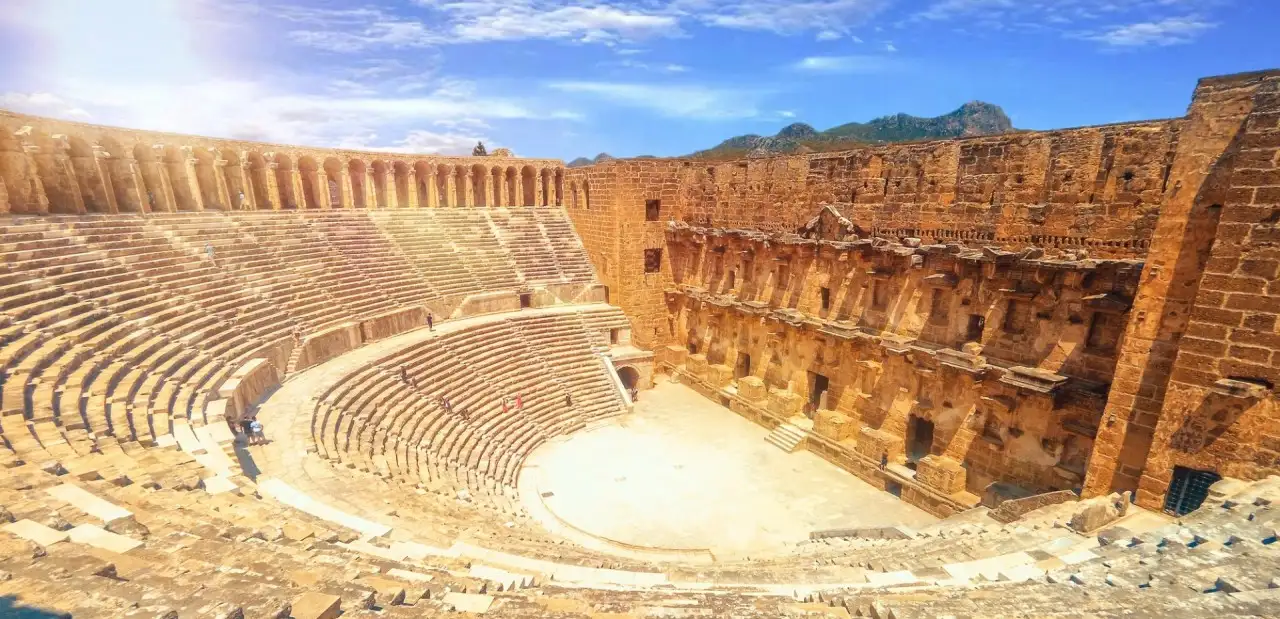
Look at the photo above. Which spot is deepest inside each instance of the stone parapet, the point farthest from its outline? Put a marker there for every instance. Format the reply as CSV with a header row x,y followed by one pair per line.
x,y
834,425
941,473
752,389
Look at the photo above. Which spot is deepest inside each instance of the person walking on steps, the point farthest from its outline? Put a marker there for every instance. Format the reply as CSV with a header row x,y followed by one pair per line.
x,y
246,430
568,400
208,250
884,460
404,375
431,322
519,402
255,432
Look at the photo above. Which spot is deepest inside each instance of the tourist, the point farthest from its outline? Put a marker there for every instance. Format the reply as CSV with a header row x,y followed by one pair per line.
x,y
256,436
431,322
404,374
208,250
519,402
568,400
504,406
884,460
246,430
463,413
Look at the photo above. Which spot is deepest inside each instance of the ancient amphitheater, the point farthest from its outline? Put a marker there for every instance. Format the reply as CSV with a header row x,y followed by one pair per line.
x,y
1031,375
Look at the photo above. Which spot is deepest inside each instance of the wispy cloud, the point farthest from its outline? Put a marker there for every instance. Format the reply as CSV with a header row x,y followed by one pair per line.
x,y
43,104
693,101
1131,23
1170,31
846,64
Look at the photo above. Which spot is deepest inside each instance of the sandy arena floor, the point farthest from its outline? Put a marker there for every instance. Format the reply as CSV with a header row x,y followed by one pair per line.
x,y
684,472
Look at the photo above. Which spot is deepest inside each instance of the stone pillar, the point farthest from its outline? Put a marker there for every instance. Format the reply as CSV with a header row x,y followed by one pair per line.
x,y
136,185
25,192
468,190
393,196
164,193
60,163
489,198
4,197
370,196
321,190
102,170
539,189
273,186
500,189
411,182
450,189
433,191
299,196
348,190
193,182
221,186
249,183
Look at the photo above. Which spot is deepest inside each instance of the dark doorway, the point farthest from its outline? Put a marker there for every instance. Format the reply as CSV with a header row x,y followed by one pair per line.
x,y
1188,490
526,300
743,367
613,337
976,325
630,378
919,438
818,385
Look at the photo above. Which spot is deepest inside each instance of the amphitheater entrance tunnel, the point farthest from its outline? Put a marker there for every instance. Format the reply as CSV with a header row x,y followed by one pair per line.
x,y
919,438
630,380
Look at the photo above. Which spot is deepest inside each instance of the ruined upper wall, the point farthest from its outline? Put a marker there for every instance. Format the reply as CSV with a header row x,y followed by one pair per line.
x,y
1095,187
11,122
54,166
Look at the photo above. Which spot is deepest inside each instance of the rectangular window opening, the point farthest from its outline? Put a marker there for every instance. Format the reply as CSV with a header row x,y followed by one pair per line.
x,y
652,210
652,260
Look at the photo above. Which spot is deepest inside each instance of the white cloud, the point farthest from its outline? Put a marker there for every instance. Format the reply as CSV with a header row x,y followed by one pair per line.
x,y
42,104
845,64
671,100
786,114
785,16
1133,23
828,35
856,39
628,63
1171,31
420,141
890,47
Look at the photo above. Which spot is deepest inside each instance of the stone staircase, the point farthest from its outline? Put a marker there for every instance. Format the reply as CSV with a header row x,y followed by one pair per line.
x,y
786,437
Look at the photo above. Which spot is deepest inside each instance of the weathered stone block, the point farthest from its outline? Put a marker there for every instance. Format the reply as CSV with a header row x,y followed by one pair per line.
x,y
874,444
696,365
834,425
719,376
752,389
785,403
941,473
325,345
314,605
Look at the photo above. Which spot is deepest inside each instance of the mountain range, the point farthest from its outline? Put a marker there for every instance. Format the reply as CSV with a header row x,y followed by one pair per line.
x,y
971,119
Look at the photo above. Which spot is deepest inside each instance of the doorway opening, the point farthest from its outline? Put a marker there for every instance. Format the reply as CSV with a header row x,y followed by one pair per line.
x,y
818,385
919,438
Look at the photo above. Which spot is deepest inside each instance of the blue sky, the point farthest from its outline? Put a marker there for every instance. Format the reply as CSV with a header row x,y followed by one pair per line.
x,y
551,78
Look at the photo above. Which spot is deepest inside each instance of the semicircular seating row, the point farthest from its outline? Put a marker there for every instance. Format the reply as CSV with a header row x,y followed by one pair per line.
x,y
114,328
376,421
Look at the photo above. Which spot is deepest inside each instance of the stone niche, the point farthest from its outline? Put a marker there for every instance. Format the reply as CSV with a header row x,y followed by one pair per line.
x,y
752,389
873,444
834,425
941,473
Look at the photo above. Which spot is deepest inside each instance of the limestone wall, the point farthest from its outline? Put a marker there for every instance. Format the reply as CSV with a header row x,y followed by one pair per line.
x,y
52,166
1194,198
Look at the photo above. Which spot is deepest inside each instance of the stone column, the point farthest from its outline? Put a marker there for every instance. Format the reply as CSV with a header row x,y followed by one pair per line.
x,y
433,192
489,199
321,191
539,188
136,187
193,182
164,193
221,185
411,182
273,186
393,196
102,170
60,164
299,196
500,189
450,189
4,197
370,195
249,183
348,191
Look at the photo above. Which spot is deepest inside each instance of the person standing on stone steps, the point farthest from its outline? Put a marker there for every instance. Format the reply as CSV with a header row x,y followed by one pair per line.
x,y
404,374
568,400
208,250
431,322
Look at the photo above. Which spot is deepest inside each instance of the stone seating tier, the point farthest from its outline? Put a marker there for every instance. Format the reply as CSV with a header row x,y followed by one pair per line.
x,y
375,422
113,327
